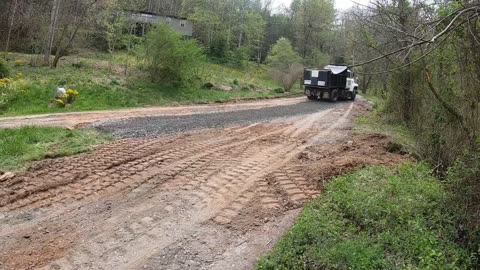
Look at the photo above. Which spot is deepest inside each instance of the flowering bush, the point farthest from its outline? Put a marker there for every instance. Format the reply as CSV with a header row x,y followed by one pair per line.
x,y
20,62
8,89
66,99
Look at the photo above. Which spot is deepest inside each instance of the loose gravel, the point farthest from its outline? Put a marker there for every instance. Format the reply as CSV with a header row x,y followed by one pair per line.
x,y
158,125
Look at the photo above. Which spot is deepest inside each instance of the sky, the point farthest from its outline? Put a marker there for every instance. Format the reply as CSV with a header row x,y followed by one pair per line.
x,y
339,4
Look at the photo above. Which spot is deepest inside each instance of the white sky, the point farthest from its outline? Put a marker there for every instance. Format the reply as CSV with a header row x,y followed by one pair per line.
x,y
339,4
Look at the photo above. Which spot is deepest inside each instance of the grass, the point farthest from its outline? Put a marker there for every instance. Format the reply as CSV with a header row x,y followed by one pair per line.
x,y
102,86
376,123
20,146
375,218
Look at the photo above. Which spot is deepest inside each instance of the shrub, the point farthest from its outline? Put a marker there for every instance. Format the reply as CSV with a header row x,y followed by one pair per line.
x,y
463,183
376,218
8,89
171,59
4,69
20,62
284,63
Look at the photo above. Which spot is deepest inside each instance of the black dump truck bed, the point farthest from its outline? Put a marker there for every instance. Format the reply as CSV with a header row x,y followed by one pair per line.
x,y
324,78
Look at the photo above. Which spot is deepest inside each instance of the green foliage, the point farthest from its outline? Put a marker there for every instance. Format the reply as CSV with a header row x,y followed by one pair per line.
x,y
317,59
284,63
376,218
462,182
4,69
232,31
102,89
282,55
312,21
171,59
21,145
9,89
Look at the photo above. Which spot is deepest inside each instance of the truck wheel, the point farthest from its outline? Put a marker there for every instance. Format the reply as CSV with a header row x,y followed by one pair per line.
x,y
312,97
334,95
353,95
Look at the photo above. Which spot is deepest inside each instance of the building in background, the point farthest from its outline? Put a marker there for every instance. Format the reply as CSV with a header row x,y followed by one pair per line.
x,y
179,25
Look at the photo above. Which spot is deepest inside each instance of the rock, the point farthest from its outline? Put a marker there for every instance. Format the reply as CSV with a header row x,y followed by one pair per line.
x,y
350,143
60,91
6,176
223,87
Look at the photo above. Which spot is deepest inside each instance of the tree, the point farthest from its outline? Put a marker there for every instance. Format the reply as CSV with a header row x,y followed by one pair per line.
x,y
284,63
312,20
169,58
10,26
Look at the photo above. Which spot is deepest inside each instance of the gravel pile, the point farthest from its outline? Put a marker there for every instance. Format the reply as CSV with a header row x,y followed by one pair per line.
x,y
153,126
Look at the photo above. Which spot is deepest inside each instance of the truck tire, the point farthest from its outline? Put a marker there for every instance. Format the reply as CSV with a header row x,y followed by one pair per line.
x,y
334,95
353,95
312,97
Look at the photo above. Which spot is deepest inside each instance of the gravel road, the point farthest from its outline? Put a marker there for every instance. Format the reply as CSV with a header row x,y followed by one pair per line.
x,y
156,125
75,119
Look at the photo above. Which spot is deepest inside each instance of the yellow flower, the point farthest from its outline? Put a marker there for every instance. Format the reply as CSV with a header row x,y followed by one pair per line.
x,y
19,62
6,81
72,92
19,75
59,101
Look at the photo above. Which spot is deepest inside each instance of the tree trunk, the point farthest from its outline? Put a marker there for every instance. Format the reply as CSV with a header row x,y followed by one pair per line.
x,y
240,39
15,2
51,31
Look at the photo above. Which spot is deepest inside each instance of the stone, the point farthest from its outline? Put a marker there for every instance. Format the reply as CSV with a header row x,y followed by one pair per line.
x,y
6,176
223,87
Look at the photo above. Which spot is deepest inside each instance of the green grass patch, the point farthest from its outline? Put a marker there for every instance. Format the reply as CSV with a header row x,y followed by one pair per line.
x,y
376,123
20,146
375,218
103,86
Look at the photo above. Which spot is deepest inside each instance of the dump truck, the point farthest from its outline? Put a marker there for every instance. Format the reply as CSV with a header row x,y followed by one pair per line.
x,y
330,83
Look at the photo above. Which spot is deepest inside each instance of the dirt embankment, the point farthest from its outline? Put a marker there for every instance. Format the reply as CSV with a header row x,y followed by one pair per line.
x,y
210,199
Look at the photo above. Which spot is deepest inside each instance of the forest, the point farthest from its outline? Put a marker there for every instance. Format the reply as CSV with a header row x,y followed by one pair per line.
x,y
418,59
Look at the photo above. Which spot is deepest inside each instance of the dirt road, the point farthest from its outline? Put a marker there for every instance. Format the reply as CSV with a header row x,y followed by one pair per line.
x,y
204,199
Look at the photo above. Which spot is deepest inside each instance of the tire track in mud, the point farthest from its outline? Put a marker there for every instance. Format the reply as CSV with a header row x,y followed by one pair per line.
x,y
108,169
244,195
169,190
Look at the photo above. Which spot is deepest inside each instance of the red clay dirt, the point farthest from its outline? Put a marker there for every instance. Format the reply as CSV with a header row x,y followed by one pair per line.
x,y
211,199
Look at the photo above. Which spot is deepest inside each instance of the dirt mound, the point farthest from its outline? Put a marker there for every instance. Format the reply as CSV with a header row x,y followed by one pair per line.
x,y
320,163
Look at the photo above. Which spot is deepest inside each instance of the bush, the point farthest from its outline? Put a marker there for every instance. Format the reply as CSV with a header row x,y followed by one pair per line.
x,y
171,59
4,69
20,62
284,63
463,183
8,89
376,218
